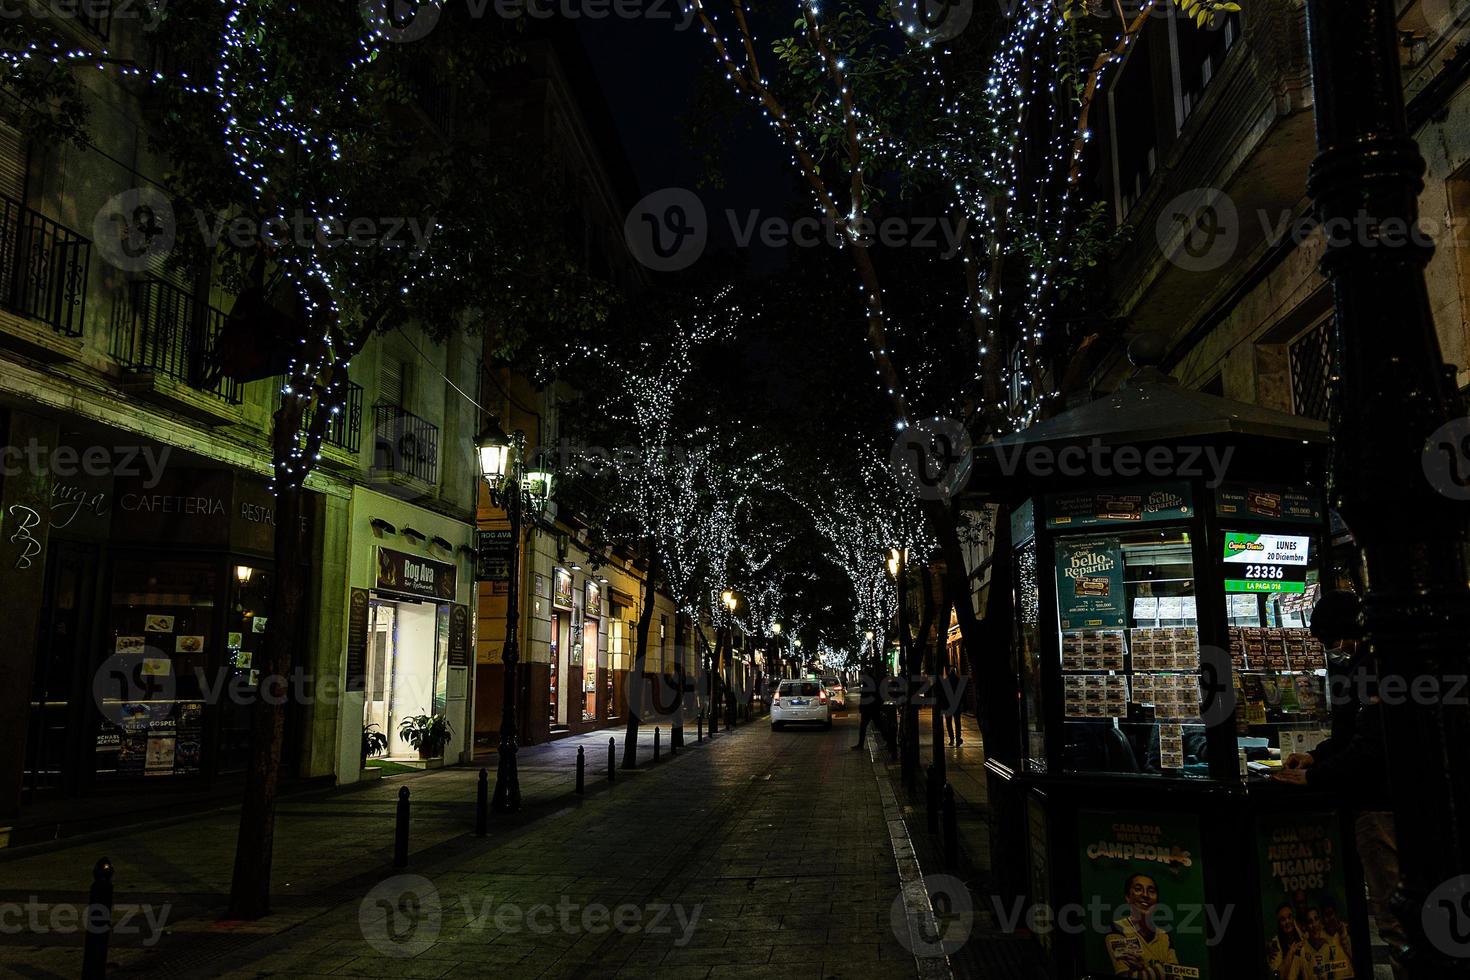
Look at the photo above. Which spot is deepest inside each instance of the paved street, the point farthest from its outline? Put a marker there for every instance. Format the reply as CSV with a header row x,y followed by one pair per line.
x,y
761,854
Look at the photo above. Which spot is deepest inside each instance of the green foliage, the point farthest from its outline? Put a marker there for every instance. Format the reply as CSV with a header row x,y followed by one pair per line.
x,y
426,733
374,741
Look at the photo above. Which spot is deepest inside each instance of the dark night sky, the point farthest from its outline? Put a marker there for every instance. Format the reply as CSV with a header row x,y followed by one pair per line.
x,y
647,71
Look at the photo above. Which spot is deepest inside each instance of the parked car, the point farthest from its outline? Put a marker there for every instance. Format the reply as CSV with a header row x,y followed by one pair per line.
x,y
836,691
801,702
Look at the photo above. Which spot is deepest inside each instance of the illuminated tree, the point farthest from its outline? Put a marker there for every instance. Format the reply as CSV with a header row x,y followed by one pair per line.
x,y
297,120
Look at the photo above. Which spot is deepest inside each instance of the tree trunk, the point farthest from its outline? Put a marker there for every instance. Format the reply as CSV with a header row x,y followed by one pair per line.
x,y
250,886
640,664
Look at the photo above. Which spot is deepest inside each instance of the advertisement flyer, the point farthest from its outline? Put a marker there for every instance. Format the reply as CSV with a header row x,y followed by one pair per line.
x,y
1144,890
1090,591
1304,898
1163,502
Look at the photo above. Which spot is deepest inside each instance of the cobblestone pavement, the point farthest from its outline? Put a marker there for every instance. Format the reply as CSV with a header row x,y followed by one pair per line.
x,y
759,854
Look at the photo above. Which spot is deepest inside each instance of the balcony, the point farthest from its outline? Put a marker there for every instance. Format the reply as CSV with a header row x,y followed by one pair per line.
x,y
43,281
406,448
167,350
342,439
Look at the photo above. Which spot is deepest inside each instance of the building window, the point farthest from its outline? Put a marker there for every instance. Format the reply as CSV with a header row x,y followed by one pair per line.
x,y
1313,371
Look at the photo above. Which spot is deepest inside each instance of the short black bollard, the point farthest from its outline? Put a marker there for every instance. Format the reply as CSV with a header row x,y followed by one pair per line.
x,y
581,770
482,804
699,728
655,745
612,760
98,922
931,797
951,830
400,831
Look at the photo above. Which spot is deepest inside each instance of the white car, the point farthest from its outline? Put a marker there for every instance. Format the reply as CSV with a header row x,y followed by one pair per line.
x,y
836,691
801,701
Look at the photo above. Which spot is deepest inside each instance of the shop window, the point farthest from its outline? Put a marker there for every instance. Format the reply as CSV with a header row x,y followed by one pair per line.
x,y
163,646
1130,674
1313,359
1202,53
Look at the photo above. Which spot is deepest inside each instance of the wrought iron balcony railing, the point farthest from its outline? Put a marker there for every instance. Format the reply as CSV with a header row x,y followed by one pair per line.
x,y
344,429
43,268
172,334
405,443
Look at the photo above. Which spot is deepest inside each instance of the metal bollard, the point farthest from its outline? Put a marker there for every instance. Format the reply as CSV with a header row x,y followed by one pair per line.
x,y
655,745
951,830
699,728
612,760
581,770
676,738
931,797
482,804
98,918
400,831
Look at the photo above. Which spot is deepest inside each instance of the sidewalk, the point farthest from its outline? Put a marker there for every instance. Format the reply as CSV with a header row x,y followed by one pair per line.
x,y
989,952
178,871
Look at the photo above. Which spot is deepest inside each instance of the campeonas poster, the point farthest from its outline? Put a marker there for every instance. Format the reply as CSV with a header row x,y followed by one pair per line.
x,y
1090,590
1143,887
1304,897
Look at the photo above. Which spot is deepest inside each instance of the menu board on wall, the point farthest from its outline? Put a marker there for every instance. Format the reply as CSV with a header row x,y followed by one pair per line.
x,y
562,588
1128,505
357,640
459,635
1090,591
1138,865
592,601
1304,906
494,555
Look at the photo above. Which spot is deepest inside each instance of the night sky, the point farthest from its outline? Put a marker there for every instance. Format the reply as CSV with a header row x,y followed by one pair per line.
x,y
647,69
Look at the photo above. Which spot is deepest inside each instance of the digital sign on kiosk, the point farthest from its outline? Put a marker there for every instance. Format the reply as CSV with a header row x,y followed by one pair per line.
x,y
1266,562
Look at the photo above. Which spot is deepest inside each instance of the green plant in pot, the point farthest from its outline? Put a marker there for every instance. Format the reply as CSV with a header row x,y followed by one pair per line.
x,y
427,733
374,742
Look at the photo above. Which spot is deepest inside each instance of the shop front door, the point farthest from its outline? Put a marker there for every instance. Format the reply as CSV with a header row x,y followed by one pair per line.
x,y
401,669
63,723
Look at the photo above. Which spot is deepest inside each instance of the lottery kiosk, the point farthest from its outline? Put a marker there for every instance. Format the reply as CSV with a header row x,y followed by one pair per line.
x,y
1166,547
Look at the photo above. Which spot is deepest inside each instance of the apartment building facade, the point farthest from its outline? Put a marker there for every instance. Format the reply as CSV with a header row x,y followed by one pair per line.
x,y
136,520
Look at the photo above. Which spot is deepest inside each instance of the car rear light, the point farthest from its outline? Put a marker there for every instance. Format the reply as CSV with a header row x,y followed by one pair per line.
x,y
822,697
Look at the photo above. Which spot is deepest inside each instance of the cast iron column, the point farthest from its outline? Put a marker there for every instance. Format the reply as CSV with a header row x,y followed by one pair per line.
x,y
1394,397
507,777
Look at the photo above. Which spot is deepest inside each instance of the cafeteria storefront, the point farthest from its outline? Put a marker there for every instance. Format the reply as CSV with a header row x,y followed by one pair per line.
x,y
154,604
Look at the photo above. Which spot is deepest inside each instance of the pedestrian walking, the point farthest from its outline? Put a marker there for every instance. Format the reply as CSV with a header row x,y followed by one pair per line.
x,y
951,701
869,704
1353,762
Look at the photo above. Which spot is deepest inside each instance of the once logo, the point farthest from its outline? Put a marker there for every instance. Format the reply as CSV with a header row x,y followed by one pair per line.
x,y
1446,459
952,922
932,21
129,683
932,458
402,21
667,230
135,229
1446,917
401,916
1199,229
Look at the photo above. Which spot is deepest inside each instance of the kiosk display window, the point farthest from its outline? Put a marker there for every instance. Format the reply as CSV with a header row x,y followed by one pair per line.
x,y
1130,651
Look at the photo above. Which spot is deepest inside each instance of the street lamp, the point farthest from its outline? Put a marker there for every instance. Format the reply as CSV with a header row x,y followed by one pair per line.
x,y
502,464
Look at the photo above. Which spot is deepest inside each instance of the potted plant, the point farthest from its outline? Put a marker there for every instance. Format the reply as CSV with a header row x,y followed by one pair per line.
x,y
427,733
374,742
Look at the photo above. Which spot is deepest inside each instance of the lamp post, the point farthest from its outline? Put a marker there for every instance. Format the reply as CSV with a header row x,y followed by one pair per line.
x,y
502,464
898,568
1398,423
728,601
